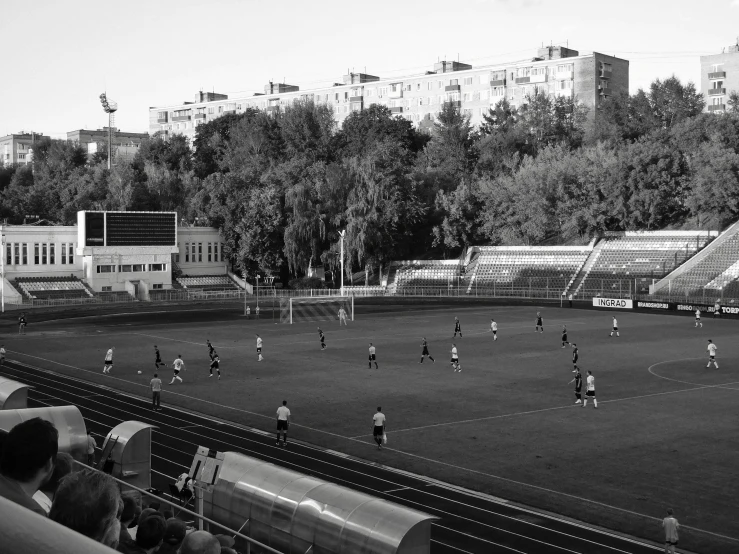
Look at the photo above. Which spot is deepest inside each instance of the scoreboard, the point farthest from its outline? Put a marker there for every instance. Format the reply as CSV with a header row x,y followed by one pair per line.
x,y
130,228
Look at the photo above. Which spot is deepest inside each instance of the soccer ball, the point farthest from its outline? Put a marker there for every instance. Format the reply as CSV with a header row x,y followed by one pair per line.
x,y
139,373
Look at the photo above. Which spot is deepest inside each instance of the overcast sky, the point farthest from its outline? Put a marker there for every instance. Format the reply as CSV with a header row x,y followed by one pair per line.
x,y
59,55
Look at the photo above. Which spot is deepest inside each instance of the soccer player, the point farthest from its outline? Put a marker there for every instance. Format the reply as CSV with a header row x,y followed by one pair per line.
x,y
108,364
698,318
323,339
342,316
577,379
564,336
283,422
177,365
158,360
156,393
717,309
22,322
259,349
590,392
575,356
539,323
494,329
372,357
425,352
378,427
455,359
214,364
2,355
615,329
211,350
457,328
712,353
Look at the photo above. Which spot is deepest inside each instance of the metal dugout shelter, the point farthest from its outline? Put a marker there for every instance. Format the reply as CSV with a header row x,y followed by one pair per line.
x,y
128,446
13,395
67,420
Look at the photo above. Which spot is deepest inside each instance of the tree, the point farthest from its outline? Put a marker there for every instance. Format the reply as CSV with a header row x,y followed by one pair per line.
x,y
211,139
672,102
733,102
362,129
449,152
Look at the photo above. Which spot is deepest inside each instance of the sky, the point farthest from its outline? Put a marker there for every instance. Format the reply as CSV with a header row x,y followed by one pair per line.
x,y
59,55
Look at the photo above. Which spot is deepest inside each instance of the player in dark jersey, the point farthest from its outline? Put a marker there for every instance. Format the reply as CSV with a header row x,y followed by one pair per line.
x,y
539,323
425,352
564,336
575,356
211,350
22,322
158,360
323,339
457,328
215,364
577,379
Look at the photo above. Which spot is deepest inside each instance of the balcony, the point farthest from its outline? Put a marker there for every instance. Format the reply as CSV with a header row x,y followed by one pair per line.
x,y
717,75
605,74
356,99
396,109
451,88
497,83
717,108
272,109
457,103
181,118
522,80
540,78
199,116
162,118
716,91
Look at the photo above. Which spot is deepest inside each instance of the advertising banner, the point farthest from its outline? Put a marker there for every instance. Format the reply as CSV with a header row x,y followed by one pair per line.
x,y
618,303
650,305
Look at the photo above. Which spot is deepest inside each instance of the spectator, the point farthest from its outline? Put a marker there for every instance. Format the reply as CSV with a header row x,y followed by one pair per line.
x,y
184,487
91,446
671,527
173,536
149,534
27,462
63,467
200,542
129,518
90,503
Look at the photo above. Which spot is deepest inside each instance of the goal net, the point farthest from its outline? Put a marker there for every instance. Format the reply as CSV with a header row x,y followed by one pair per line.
x,y
315,308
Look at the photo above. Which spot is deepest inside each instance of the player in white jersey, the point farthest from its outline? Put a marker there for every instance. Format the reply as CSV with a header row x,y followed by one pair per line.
x,y
590,390
177,366
712,353
614,330
259,349
108,364
455,359
342,317
283,423
494,329
372,356
698,321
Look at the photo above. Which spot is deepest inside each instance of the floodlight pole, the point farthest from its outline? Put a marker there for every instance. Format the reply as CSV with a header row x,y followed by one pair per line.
x,y
2,274
341,260
257,281
110,139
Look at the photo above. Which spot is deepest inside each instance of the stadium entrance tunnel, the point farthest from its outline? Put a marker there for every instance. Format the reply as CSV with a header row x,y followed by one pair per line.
x,y
295,513
13,395
67,420
126,453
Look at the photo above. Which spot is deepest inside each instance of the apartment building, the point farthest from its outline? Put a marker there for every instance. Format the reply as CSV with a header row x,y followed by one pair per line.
x,y
18,148
555,70
125,145
720,77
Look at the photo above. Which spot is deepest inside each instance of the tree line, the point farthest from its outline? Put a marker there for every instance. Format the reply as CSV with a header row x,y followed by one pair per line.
x,y
281,187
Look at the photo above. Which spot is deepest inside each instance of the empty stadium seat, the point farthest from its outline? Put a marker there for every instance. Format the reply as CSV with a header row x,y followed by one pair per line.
x,y
207,282
48,288
427,273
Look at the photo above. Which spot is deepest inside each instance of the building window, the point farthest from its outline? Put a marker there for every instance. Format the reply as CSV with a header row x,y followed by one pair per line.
x,y
157,286
157,267
215,251
16,247
440,84
106,269
25,253
71,253
524,71
453,82
52,253
107,288
43,254
36,259
187,252
210,110
9,254
64,253
468,80
21,156
210,252
200,252
222,253
177,257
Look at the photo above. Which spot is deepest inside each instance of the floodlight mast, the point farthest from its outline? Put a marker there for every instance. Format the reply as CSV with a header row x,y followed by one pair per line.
x,y
110,108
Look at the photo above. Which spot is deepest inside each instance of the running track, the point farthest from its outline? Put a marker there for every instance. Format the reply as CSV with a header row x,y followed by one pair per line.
x,y
468,523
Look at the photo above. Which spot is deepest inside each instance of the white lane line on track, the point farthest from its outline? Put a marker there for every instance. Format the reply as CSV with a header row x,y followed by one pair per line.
x,y
569,522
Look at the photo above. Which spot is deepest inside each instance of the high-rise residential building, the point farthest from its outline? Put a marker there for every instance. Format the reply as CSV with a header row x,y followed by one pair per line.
x,y
720,77
125,145
556,70
18,148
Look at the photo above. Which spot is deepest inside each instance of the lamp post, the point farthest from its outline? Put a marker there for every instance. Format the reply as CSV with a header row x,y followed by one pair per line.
x,y
2,275
110,108
342,234
257,308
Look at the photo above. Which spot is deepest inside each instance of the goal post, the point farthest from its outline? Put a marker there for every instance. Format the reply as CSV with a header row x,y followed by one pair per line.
x,y
298,309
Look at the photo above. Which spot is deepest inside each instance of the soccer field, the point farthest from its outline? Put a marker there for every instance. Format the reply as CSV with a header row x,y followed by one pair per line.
x,y
663,434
